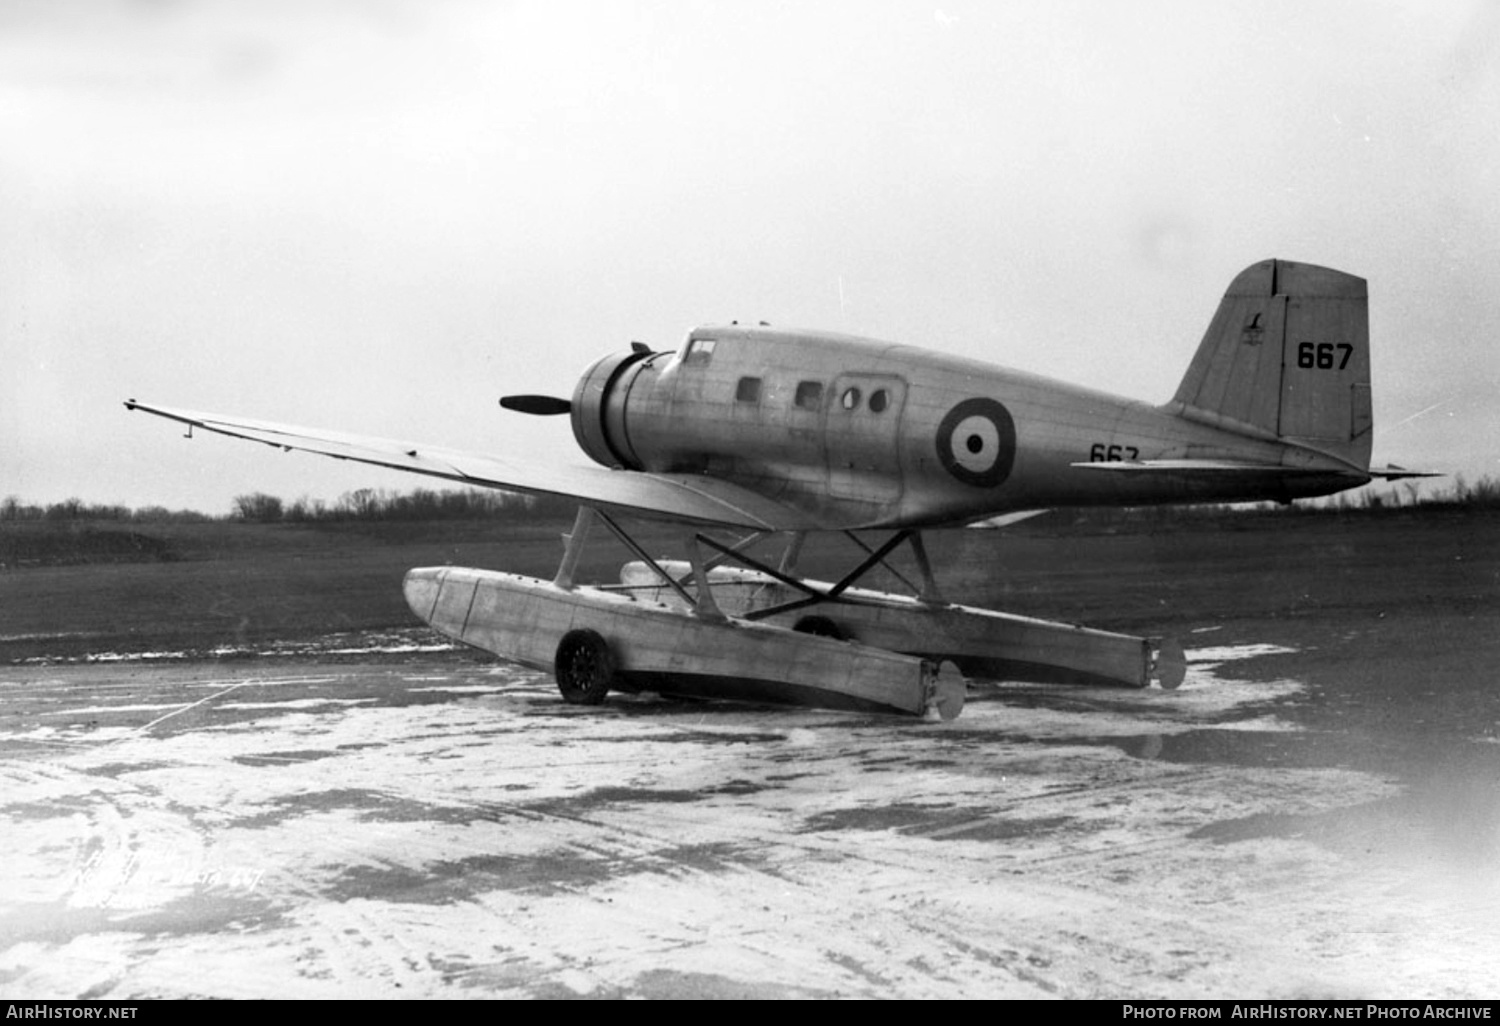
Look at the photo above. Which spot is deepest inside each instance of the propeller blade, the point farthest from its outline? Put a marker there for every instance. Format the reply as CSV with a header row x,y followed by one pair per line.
x,y
537,405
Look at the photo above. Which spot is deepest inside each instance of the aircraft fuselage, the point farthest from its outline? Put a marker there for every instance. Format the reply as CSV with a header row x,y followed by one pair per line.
x,y
882,434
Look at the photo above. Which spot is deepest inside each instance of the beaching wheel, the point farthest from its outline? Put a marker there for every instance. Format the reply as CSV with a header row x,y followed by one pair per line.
x,y
584,667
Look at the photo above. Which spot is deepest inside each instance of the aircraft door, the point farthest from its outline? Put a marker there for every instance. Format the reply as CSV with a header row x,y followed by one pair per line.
x,y
862,437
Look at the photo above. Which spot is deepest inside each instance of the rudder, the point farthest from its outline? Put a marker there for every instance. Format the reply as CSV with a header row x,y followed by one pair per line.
x,y
1287,356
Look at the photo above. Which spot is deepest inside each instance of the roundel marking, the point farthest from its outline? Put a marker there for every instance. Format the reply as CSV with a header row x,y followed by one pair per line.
x,y
976,442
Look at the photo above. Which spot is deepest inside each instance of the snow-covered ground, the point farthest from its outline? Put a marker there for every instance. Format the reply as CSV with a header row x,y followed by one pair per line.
x,y
266,829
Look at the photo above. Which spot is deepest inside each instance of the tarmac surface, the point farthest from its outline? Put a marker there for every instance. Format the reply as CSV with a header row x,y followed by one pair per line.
x,y
433,826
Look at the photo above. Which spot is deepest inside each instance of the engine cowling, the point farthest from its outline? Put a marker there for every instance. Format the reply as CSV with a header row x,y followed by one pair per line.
x,y
599,409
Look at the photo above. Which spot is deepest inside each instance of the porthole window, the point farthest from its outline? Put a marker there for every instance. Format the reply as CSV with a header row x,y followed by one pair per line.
x,y
850,399
748,390
879,400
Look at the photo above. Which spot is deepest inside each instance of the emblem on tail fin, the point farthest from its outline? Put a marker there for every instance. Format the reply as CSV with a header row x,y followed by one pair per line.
x,y
1254,334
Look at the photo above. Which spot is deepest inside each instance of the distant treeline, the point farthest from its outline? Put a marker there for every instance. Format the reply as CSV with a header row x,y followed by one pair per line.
x,y
13,510
1423,493
364,504
424,504
1481,494
380,505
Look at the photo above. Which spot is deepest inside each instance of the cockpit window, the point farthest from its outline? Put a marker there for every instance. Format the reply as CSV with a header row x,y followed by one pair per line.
x,y
699,351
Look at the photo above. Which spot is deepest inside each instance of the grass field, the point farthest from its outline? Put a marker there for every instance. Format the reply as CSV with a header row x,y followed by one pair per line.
x,y
199,586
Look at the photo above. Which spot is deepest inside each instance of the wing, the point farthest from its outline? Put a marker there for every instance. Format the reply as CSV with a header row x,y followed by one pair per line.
x,y
1207,468
1228,472
682,497
1236,467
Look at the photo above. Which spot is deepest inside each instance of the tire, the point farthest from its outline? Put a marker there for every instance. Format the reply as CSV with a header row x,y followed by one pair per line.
x,y
584,667
821,627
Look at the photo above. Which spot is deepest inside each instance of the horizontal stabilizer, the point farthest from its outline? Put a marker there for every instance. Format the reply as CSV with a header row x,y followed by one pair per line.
x,y
1395,473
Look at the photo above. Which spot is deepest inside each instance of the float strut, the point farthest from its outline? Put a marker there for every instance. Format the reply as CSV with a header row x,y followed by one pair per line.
x,y
573,547
929,592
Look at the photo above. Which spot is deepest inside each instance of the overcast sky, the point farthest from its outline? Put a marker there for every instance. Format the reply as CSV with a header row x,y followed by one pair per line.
x,y
381,216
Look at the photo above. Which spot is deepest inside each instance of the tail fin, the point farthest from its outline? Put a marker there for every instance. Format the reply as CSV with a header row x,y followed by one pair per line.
x,y
1287,356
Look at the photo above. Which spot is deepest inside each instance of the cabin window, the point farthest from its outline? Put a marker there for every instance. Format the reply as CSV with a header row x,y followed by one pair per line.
x,y
699,351
809,395
850,399
748,390
879,400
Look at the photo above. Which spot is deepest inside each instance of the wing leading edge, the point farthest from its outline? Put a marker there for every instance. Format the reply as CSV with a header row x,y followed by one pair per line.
x,y
1225,470
1206,469
665,496
1199,467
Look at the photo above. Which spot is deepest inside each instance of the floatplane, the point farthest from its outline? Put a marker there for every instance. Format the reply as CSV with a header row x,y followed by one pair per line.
x,y
749,431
